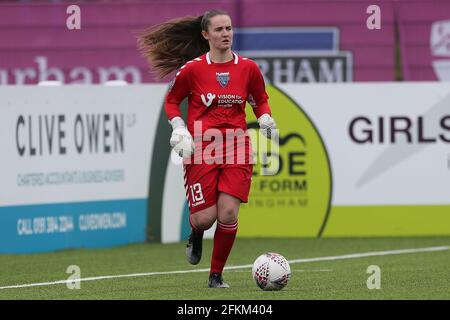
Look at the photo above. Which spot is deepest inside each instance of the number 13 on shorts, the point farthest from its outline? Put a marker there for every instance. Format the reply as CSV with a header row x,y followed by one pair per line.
x,y
196,194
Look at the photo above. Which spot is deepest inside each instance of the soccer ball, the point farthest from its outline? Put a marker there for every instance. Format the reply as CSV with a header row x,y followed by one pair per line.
x,y
271,271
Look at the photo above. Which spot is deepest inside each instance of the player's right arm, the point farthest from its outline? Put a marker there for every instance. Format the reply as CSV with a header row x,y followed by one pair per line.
x,y
179,89
181,140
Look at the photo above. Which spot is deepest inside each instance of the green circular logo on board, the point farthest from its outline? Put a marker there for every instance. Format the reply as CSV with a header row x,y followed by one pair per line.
x,y
291,188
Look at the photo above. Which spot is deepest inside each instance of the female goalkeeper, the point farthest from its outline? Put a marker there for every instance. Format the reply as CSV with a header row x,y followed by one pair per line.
x,y
217,83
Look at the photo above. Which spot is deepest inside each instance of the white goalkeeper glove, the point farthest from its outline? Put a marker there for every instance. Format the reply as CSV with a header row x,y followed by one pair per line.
x,y
267,126
181,140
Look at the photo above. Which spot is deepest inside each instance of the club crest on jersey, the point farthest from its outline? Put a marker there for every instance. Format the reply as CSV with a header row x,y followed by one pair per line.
x,y
223,78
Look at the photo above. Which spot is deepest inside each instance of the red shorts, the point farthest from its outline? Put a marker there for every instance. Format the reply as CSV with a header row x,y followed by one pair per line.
x,y
203,182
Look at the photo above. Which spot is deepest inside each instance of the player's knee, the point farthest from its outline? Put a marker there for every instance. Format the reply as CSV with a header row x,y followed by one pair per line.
x,y
203,222
206,223
228,214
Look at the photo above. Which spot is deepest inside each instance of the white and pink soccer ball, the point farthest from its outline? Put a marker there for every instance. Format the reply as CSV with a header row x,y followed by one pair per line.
x,y
271,271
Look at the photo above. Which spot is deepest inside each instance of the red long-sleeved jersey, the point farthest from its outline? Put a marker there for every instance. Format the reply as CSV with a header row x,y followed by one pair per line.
x,y
217,93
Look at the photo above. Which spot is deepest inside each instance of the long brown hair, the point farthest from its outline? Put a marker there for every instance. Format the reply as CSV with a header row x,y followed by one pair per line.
x,y
171,44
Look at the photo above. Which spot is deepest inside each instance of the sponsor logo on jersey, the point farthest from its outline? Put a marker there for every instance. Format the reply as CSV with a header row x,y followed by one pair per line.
x,y
223,100
228,100
210,100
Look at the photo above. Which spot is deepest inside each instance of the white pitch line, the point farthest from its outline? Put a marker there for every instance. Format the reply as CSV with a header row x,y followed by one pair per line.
x,y
330,258
371,254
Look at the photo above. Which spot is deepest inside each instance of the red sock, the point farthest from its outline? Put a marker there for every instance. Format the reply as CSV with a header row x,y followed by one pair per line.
x,y
223,242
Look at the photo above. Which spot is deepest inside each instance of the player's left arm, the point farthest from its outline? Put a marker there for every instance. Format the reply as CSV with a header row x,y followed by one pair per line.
x,y
258,99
